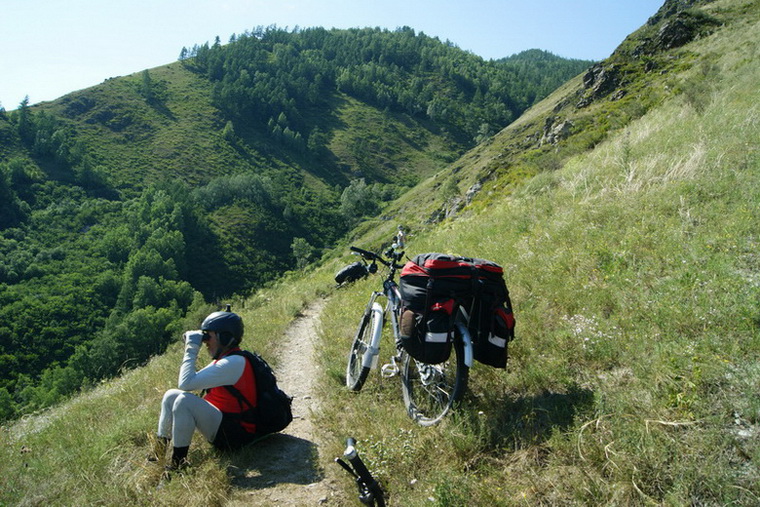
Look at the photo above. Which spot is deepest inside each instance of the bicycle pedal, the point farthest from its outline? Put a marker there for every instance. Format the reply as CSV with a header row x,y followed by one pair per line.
x,y
389,370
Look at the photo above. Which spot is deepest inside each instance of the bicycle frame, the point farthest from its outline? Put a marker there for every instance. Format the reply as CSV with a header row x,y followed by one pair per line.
x,y
393,302
392,307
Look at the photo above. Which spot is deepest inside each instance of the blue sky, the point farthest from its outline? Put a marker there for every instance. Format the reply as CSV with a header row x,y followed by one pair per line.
x,y
52,47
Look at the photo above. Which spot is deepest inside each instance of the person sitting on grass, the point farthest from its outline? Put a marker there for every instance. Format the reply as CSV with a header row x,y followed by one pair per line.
x,y
218,414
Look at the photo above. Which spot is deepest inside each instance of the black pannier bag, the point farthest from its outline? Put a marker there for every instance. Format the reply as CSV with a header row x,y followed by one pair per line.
x,y
491,326
476,286
351,273
427,336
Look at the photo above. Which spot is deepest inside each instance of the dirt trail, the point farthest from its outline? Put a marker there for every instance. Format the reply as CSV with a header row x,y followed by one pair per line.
x,y
287,469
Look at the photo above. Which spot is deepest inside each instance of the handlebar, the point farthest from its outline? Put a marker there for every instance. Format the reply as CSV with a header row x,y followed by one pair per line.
x,y
364,253
370,492
353,457
371,256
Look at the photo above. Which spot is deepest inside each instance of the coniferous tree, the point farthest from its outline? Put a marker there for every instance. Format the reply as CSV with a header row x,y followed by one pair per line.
x,y
147,87
25,122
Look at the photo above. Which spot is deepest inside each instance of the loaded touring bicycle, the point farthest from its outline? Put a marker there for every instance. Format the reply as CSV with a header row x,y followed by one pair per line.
x,y
444,313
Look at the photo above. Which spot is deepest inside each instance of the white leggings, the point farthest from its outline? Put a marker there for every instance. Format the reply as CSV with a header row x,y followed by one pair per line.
x,y
182,412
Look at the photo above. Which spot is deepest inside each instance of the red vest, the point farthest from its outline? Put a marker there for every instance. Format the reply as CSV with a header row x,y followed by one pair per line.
x,y
225,401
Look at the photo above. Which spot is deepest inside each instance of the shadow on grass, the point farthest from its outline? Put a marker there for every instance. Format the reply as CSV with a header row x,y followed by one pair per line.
x,y
278,459
532,420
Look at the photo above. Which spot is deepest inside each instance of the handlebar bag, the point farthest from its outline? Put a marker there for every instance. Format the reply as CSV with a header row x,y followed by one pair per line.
x,y
351,273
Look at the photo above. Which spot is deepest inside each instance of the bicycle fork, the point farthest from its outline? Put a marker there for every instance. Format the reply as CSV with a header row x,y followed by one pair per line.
x,y
373,352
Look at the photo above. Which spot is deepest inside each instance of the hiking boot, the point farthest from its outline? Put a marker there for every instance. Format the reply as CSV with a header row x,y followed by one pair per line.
x,y
174,467
158,451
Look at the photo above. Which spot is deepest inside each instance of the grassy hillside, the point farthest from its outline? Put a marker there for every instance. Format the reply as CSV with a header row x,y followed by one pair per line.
x,y
631,251
182,136
632,266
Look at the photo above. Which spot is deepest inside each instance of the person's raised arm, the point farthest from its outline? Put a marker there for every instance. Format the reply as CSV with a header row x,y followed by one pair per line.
x,y
223,372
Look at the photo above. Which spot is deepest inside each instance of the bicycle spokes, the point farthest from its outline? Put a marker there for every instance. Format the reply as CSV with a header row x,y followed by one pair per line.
x,y
430,390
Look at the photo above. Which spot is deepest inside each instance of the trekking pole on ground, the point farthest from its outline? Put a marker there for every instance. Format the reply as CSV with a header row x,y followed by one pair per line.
x,y
370,492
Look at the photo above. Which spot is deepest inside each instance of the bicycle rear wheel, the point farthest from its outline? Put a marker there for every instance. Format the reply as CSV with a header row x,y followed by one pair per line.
x,y
430,390
356,372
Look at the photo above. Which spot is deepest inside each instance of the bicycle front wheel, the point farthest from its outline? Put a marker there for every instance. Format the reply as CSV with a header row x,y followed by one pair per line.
x,y
356,372
430,390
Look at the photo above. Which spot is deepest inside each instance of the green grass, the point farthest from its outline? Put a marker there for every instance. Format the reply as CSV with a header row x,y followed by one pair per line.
x,y
180,136
635,275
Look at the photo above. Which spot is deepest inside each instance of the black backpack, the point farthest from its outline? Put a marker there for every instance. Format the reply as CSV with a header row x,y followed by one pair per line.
x,y
273,412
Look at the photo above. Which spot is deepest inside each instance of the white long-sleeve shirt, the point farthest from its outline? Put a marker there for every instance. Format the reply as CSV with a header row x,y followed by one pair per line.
x,y
223,372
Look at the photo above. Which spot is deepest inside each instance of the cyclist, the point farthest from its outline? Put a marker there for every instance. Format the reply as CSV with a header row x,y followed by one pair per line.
x,y
218,413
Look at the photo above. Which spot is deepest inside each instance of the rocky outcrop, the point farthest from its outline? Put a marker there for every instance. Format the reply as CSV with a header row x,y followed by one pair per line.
x,y
683,28
453,206
599,81
672,7
555,130
677,23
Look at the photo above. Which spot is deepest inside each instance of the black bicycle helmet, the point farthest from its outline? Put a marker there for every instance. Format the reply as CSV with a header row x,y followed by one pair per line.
x,y
228,324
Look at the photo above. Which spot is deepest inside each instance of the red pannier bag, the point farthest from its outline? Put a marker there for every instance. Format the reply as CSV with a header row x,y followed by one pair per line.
x,y
477,288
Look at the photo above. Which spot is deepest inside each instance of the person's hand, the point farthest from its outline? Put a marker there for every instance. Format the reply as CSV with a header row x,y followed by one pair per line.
x,y
193,337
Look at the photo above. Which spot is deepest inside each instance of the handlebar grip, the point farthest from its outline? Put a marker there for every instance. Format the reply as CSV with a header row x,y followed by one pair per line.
x,y
364,253
352,455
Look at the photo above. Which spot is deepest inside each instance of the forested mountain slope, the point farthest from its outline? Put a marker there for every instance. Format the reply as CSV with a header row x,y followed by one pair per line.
x,y
130,205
